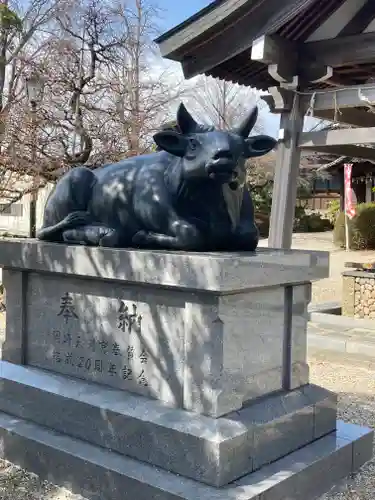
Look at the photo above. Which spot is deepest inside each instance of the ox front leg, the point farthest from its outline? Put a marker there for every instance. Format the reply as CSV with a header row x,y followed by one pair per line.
x,y
245,237
182,236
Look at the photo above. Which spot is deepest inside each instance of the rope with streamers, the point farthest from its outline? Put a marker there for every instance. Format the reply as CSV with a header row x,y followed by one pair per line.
x,y
294,105
310,110
336,90
337,109
313,95
366,101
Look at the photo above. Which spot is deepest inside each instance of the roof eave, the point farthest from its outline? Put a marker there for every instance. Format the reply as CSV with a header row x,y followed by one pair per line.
x,y
196,27
190,20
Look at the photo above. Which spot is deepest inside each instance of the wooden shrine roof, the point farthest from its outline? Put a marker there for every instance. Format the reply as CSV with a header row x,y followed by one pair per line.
x,y
217,41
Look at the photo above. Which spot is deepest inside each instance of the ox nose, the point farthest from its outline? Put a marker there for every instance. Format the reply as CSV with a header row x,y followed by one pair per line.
x,y
223,154
221,165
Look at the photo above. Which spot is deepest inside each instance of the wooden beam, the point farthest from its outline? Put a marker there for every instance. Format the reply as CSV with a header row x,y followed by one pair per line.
x,y
354,97
350,151
286,175
325,104
341,51
339,80
272,50
315,73
285,74
278,99
341,137
349,116
361,20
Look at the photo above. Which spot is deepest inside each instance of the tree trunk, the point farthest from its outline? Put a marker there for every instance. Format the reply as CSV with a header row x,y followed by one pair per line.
x,y
3,53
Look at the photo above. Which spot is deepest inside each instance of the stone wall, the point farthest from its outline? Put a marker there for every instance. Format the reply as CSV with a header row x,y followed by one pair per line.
x,y
364,297
358,294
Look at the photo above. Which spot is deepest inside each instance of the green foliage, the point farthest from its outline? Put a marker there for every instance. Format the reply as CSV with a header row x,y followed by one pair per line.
x,y
361,228
303,222
304,193
311,223
262,197
9,19
263,223
333,211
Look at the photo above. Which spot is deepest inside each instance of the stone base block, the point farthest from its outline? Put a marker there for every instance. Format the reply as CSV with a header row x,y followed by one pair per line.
x,y
208,450
100,474
205,332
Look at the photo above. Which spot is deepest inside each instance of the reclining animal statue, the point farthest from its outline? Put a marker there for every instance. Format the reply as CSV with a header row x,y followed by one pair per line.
x,y
189,195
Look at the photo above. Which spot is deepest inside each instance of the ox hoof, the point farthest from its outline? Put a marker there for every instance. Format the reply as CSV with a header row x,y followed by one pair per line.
x,y
77,219
139,238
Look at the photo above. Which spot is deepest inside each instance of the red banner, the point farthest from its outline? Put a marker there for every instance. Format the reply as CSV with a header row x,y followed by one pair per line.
x,y
349,207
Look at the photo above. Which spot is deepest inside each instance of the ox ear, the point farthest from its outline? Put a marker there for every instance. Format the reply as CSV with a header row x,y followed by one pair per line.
x,y
172,142
259,145
248,123
185,121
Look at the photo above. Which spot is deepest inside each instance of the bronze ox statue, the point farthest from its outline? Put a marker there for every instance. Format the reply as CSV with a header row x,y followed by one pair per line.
x,y
190,195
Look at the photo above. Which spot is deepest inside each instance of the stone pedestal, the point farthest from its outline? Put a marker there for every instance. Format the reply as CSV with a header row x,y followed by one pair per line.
x,y
177,373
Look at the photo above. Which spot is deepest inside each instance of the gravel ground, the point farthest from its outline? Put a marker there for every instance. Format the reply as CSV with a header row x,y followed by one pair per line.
x,y
16,484
356,389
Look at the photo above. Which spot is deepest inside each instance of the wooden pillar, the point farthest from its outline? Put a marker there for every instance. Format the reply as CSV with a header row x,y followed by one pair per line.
x,y
286,175
282,58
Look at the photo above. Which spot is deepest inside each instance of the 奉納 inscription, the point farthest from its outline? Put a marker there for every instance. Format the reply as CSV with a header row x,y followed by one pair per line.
x,y
129,321
121,336
67,308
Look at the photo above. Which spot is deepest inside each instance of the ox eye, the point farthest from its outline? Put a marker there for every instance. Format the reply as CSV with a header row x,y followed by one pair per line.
x,y
193,144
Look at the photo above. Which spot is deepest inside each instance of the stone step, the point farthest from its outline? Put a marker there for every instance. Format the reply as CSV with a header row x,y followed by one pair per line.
x,y
100,474
349,344
209,450
340,321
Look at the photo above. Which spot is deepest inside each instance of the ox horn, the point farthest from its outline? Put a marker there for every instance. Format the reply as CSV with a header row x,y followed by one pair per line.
x,y
185,121
248,123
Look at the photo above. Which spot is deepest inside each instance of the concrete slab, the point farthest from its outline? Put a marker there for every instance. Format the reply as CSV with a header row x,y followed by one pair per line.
x,y
213,451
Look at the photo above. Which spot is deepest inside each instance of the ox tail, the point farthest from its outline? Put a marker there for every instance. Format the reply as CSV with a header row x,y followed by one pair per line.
x,y
67,204
71,221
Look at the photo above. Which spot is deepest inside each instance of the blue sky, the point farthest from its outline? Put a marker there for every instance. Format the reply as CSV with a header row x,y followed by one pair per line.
x,y
176,11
